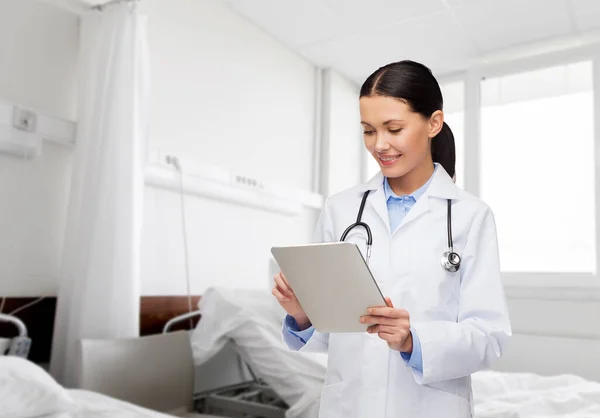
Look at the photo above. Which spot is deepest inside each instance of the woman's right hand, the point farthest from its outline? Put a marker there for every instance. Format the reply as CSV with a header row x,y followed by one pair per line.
x,y
288,301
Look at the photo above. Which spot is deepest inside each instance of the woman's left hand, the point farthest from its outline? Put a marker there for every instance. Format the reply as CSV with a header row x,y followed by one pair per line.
x,y
392,325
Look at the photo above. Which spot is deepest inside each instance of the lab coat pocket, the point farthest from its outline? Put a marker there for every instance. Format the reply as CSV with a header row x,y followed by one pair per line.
x,y
446,403
431,285
331,401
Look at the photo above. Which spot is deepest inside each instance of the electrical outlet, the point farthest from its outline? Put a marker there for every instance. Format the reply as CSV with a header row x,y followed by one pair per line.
x,y
247,182
24,120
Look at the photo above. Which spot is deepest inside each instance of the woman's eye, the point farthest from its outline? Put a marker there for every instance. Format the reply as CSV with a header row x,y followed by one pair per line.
x,y
395,131
368,132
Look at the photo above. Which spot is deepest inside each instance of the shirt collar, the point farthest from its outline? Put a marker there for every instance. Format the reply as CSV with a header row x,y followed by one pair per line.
x,y
442,186
415,195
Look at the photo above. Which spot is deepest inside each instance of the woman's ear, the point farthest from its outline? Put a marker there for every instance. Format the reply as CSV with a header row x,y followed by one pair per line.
x,y
436,123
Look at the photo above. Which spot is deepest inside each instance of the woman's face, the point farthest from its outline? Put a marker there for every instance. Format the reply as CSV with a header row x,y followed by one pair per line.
x,y
398,138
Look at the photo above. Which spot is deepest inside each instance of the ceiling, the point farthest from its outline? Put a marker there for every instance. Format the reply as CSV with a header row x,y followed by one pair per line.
x,y
358,36
76,6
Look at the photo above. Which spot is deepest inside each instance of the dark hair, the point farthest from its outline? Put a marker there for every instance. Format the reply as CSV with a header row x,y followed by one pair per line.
x,y
415,85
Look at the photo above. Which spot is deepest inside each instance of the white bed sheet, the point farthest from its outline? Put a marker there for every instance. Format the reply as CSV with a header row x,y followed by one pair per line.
x,y
526,395
96,405
28,391
497,395
253,320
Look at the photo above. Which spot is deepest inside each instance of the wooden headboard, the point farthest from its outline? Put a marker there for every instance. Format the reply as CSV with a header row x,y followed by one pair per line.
x,y
155,311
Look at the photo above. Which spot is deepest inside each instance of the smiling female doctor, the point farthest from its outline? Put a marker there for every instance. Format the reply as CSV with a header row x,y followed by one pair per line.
x,y
441,324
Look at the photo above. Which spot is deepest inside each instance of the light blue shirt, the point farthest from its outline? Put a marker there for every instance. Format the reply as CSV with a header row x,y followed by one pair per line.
x,y
398,207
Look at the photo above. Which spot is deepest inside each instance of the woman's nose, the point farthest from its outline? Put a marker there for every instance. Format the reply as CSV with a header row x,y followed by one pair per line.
x,y
381,145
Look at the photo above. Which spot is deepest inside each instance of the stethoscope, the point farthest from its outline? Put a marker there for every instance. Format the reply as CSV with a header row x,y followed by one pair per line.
x,y
450,260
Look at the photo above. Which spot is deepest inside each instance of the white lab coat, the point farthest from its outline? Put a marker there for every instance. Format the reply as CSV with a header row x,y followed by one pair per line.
x,y
460,318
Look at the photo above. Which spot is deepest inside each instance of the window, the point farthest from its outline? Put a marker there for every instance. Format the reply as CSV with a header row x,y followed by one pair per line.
x,y
454,115
537,167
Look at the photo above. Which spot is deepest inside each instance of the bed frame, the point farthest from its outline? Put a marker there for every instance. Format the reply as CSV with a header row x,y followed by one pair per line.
x,y
252,399
155,312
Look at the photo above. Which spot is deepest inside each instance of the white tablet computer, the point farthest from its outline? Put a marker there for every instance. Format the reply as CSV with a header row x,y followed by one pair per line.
x,y
332,283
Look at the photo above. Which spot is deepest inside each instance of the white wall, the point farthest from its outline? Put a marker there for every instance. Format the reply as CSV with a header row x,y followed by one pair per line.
x,y
226,94
554,335
342,146
38,57
223,93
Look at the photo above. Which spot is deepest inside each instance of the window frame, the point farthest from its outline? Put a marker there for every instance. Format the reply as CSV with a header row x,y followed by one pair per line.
x,y
472,78
460,77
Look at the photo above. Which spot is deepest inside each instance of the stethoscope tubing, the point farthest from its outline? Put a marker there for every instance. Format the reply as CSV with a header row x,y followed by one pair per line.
x,y
450,260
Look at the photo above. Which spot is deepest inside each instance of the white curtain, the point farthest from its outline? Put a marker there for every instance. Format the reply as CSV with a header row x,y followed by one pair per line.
x,y
100,282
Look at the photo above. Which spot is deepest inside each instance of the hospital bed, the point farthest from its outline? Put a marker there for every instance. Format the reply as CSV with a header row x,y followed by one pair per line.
x,y
136,377
122,368
252,320
230,391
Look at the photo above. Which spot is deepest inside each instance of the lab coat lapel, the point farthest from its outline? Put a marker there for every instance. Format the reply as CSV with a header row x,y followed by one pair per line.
x,y
377,198
441,186
377,201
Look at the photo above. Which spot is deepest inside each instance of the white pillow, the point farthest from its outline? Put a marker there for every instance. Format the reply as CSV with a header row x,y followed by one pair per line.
x,y
27,391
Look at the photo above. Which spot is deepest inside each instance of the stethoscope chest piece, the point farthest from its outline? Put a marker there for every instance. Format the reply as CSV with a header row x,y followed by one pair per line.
x,y
450,261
